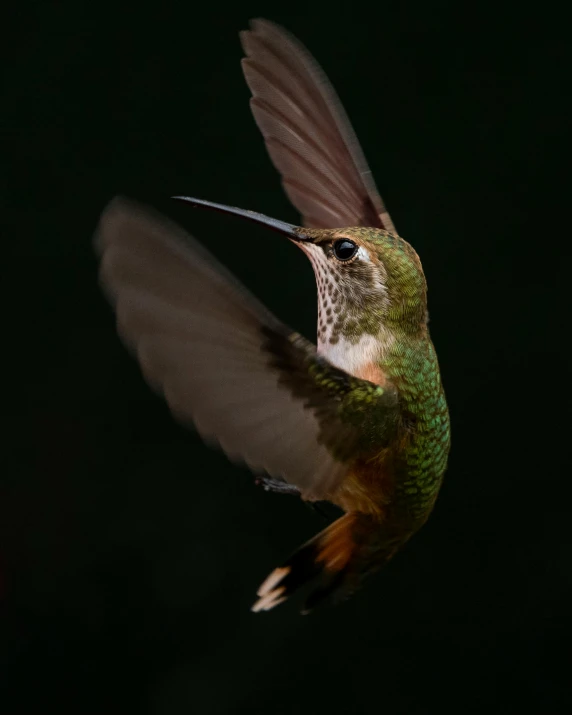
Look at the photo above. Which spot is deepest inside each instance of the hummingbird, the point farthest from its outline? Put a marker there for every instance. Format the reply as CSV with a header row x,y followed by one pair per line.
x,y
360,419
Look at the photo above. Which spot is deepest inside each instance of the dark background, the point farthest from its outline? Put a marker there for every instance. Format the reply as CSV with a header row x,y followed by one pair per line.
x,y
130,553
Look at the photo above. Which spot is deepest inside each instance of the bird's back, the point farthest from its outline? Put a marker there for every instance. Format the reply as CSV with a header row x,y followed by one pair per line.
x,y
421,458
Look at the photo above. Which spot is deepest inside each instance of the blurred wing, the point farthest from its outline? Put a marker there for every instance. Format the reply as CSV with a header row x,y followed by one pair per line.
x,y
308,134
220,358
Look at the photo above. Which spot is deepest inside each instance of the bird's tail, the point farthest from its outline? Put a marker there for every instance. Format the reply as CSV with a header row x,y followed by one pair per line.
x,y
338,557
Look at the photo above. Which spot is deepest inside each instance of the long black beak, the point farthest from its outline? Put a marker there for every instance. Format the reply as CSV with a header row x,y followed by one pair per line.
x,y
287,229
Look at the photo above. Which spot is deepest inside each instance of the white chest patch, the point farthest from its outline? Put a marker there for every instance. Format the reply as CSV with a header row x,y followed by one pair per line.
x,y
351,357
358,359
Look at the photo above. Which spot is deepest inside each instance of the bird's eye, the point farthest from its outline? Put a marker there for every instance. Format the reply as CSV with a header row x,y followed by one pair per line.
x,y
345,249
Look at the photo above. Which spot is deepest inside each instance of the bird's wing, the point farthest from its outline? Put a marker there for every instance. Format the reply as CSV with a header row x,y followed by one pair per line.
x,y
224,362
307,133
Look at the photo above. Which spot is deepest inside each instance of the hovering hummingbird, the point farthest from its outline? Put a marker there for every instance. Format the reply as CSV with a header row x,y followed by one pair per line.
x,y
360,420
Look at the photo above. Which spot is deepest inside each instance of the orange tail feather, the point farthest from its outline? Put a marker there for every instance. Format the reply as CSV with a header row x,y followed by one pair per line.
x,y
336,556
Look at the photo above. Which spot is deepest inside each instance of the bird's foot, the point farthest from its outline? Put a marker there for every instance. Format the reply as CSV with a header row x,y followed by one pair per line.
x,y
277,485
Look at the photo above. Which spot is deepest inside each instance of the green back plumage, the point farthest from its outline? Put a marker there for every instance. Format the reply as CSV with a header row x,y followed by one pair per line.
x,y
412,366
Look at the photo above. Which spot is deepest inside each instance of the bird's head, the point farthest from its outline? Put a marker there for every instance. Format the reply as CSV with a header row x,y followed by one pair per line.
x,y
366,277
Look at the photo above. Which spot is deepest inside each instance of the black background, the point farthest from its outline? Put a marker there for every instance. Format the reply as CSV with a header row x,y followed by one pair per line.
x,y
130,553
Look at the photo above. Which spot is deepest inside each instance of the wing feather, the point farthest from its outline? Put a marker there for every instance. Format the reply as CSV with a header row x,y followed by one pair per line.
x,y
308,135
222,361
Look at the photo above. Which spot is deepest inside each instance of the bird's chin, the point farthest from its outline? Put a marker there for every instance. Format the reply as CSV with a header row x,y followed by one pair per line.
x,y
309,249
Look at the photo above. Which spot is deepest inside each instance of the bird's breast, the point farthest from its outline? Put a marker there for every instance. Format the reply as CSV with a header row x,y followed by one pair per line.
x,y
360,358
